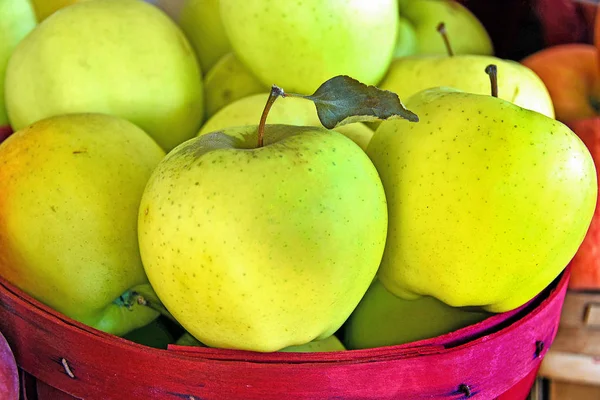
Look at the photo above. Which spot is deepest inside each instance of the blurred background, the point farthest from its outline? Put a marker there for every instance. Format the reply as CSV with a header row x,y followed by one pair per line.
x,y
517,27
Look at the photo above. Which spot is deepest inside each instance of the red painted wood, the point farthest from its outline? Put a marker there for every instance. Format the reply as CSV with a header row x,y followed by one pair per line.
x,y
9,378
491,357
520,391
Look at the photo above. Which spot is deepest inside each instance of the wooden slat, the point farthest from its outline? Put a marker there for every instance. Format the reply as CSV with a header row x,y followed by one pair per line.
x,y
576,308
571,367
591,317
577,340
573,391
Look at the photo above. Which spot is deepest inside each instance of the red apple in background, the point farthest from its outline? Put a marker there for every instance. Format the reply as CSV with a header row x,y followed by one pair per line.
x,y
9,378
5,131
519,28
571,74
585,272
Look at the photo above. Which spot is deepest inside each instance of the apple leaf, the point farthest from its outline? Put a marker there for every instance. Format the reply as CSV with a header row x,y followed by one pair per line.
x,y
342,100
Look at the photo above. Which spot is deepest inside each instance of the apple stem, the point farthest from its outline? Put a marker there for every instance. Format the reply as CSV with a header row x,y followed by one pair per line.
x,y
441,28
492,71
276,91
156,306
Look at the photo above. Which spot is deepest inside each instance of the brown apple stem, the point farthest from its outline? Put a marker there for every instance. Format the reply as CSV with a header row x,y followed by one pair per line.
x,y
441,28
155,305
276,91
492,71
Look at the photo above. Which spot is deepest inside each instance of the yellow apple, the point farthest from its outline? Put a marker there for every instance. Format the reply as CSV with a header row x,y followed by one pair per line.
x,y
71,188
17,19
270,246
120,57
291,110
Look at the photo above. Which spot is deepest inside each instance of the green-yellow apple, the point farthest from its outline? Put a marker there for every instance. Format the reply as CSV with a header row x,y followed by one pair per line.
x,y
120,57
186,339
487,201
572,75
200,20
300,44
331,343
407,42
290,111
155,334
382,319
468,34
71,188
45,8
516,83
270,246
16,21
229,80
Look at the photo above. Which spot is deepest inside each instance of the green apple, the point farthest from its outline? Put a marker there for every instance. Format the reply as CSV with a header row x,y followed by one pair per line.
x,y
331,343
186,339
17,20
487,201
227,81
71,188
270,246
382,319
466,32
120,57
45,8
155,334
516,83
407,42
200,20
290,111
300,44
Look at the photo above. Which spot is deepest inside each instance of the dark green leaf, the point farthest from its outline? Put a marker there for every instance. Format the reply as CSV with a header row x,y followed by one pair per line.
x,y
342,100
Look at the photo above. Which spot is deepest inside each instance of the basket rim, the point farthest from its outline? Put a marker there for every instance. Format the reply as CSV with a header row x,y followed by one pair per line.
x,y
493,326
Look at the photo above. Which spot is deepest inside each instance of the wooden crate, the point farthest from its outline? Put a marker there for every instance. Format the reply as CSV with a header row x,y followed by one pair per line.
x,y
579,329
571,369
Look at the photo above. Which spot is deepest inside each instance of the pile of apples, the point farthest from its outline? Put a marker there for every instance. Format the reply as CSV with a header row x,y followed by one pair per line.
x,y
138,193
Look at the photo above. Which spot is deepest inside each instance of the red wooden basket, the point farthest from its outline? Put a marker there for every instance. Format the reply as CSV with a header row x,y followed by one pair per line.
x,y
496,358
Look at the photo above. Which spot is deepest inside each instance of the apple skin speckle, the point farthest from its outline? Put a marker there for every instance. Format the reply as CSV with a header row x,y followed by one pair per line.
x,y
488,219
311,222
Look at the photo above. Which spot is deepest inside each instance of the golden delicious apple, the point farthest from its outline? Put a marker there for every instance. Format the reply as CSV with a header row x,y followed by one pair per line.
x,y
120,57
382,319
421,18
261,248
291,111
300,44
331,343
516,83
71,188
488,201
17,19
45,8
227,81
200,20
